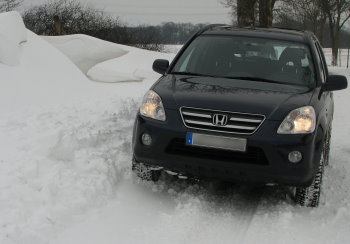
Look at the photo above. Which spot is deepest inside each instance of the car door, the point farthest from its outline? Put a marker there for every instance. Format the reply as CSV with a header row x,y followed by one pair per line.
x,y
327,97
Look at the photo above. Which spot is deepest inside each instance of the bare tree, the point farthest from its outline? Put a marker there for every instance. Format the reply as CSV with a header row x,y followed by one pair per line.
x,y
62,17
266,12
9,5
338,13
308,13
68,17
242,10
247,11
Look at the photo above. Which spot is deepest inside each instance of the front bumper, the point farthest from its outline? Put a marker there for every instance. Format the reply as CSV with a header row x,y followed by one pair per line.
x,y
266,159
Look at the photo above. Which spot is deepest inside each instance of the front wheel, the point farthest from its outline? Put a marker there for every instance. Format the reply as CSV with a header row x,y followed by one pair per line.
x,y
327,146
310,196
145,172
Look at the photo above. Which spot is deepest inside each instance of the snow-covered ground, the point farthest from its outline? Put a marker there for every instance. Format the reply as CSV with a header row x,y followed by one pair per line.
x,y
172,48
65,152
342,56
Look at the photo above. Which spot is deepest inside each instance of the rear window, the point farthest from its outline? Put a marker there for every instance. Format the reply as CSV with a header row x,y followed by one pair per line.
x,y
245,57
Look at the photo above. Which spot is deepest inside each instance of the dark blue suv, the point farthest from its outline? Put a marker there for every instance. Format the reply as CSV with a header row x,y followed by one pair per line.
x,y
250,105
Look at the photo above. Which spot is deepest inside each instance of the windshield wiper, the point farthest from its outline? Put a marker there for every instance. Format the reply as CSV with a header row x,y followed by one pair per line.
x,y
191,73
250,78
258,79
185,73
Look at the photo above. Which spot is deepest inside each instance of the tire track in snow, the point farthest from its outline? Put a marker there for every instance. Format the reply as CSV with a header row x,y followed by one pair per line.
x,y
223,215
66,162
251,215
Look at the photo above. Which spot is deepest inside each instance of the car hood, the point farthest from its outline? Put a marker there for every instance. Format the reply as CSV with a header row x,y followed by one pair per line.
x,y
273,100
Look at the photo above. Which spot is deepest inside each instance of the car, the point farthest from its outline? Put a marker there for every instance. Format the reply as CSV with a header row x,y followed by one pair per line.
x,y
249,105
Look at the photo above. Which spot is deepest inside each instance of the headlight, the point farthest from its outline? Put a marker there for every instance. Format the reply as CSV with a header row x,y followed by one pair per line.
x,y
299,121
152,106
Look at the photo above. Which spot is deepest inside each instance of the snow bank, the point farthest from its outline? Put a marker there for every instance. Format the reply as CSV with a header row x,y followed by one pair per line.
x,y
105,61
134,66
9,51
86,51
12,34
12,26
64,143
43,70
172,48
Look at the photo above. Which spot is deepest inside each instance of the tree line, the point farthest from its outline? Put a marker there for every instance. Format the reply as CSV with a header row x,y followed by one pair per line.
x,y
326,18
8,5
314,15
64,17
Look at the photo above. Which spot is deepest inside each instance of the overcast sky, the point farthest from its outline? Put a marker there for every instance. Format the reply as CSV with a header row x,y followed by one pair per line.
x,y
157,11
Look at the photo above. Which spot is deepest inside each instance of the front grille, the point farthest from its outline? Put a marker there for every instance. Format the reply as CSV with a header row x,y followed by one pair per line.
x,y
253,155
238,123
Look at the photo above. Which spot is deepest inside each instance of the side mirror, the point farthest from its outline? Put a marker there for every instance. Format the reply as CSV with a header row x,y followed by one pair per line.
x,y
335,82
160,66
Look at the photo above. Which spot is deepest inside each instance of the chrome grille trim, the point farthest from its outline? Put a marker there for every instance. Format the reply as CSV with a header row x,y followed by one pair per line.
x,y
226,126
246,120
238,123
197,115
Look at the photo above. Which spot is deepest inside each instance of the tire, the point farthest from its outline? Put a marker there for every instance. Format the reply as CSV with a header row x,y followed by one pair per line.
x,y
145,172
327,146
310,196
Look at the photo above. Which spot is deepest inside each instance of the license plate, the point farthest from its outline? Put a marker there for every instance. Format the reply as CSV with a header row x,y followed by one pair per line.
x,y
218,142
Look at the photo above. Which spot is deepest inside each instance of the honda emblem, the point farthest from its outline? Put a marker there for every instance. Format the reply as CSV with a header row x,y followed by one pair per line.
x,y
220,119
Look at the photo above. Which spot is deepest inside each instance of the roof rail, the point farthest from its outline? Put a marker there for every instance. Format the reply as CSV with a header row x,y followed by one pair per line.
x,y
286,28
208,27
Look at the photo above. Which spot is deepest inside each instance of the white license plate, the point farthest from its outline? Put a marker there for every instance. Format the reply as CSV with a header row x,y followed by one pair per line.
x,y
218,142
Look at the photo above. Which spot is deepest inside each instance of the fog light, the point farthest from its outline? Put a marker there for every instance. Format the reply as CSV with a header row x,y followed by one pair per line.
x,y
146,139
295,157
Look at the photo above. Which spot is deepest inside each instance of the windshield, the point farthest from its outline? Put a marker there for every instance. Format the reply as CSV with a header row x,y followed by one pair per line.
x,y
248,58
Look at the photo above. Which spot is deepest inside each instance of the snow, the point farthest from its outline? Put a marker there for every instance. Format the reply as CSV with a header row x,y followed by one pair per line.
x,y
172,48
65,152
12,34
342,56
56,161
9,51
13,27
107,62
42,78
134,66
86,51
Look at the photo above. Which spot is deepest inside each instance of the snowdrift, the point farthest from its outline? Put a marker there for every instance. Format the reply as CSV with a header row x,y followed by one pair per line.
x,y
105,61
63,139
85,51
12,34
12,27
39,78
136,65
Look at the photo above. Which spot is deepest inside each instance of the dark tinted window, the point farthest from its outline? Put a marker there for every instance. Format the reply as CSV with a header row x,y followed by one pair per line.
x,y
237,57
322,63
